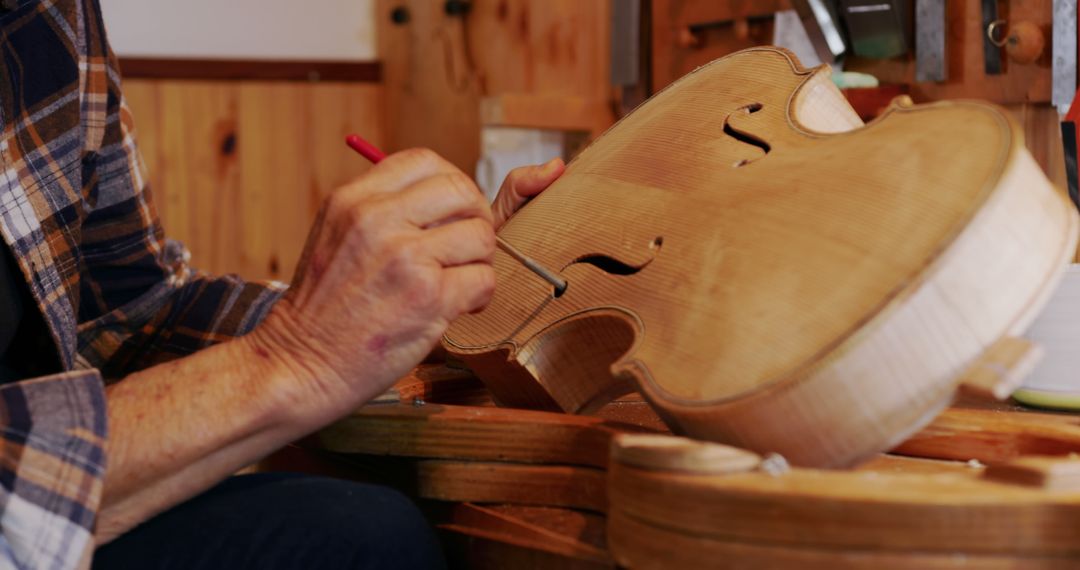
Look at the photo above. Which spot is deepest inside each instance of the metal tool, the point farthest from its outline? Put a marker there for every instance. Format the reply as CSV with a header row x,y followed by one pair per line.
x,y
822,28
546,274
991,49
372,153
930,41
1063,87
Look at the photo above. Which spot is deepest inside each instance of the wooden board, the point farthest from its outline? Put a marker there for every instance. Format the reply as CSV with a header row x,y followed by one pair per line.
x,y
690,503
821,301
643,546
995,434
897,514
575,535
493,482
473,433
673,57
495,537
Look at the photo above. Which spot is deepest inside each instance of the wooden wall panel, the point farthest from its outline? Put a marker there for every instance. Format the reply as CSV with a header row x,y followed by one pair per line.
x,y
556,47
437,68
238,169
721,28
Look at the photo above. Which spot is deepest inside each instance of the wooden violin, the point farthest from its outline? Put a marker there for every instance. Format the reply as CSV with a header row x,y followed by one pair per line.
x,y
768,271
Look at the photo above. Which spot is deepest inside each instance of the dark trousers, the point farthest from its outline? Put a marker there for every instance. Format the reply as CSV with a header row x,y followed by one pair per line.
x,y
276,520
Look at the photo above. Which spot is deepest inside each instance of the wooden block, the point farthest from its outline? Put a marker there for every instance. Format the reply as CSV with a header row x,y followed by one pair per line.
x,y
436,383
1000,370
670,453
473,433
493,482
1050,473
207,146
642,546
574,534
995,433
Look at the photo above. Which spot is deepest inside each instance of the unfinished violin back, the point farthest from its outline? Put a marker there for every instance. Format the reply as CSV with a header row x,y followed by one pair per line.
x,y
767,271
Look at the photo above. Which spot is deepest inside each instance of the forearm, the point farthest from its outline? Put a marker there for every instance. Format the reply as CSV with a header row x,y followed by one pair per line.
x,y
178,428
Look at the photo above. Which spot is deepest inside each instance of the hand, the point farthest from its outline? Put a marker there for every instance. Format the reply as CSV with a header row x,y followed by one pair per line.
x,y
521,185
393,258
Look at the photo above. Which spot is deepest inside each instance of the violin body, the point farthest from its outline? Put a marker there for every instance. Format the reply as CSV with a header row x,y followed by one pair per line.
x,y
769,272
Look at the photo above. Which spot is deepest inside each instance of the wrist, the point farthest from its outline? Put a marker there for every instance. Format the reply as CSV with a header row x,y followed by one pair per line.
x,y
307,389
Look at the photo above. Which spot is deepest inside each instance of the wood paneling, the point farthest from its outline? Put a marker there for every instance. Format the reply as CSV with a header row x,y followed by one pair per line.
x,y
238,168
716,32
437,68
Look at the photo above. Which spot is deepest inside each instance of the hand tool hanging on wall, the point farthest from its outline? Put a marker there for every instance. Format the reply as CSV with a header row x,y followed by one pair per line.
x,y
992,26
1063,48
930,41
821,26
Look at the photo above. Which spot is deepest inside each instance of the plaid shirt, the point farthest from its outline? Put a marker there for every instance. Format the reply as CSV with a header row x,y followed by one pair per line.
x,y
115,294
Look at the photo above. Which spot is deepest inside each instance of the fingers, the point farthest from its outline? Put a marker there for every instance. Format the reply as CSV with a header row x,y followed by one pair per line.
x,y
467,288
461,242
395,173
521,185
441,198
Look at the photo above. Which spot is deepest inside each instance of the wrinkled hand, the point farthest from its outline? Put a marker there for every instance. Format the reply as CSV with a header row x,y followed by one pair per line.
x,y
393,258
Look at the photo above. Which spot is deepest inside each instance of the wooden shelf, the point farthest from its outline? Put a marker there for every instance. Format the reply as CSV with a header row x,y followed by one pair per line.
x,y
554,112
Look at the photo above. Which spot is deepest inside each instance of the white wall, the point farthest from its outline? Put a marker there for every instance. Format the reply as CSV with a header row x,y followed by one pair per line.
x,y
242,29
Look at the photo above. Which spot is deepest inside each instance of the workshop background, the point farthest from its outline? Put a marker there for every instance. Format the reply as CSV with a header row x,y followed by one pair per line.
x,y
242,107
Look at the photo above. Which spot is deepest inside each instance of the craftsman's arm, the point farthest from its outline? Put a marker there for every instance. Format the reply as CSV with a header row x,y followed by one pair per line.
x,y
392,259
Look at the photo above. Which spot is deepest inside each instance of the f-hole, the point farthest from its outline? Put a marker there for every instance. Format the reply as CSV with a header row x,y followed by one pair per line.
x,y
614,266
745,137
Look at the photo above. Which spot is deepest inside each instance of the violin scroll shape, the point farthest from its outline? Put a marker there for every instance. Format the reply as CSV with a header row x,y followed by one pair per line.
x,y
768,271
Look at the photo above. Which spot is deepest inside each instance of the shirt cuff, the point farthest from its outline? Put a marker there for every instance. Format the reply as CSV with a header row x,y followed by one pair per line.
x,y
52,467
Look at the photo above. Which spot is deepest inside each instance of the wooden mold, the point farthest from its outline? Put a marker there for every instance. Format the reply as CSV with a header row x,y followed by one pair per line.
x,y
1023,514
530,489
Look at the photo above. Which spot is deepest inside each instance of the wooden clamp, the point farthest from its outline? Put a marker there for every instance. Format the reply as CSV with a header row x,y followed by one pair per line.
x,y
1001,369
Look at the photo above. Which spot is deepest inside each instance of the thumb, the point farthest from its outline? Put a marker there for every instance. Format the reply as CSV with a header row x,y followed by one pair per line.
x,y
522,184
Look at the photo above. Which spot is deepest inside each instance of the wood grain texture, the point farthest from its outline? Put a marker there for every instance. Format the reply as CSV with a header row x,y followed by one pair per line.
x,y
561,113
861,510
574,536
996,434
1001,369
671,19
642,546
495,482
473,433
436,383
238,169
798,306
1047,473
437,68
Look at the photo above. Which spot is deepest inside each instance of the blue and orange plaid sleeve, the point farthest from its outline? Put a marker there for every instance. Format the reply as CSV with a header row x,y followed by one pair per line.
x,y
114,293
140,301
53,434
